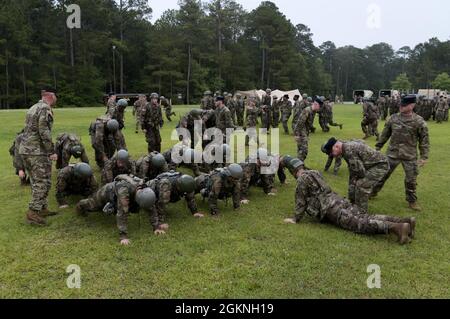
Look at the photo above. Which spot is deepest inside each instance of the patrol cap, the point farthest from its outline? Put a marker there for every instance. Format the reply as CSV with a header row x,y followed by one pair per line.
x,y
49,89
220,98
328,146
409,99
318,100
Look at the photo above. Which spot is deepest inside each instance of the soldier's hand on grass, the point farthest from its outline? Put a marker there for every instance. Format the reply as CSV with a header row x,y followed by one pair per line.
x,y
272,194
289,221
63,206
245,202
125,242
199,215
54,157
297,138
159,232
422,162
21,174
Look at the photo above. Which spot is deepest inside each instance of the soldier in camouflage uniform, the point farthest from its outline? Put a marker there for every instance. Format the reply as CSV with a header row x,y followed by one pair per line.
x,y
446,109
75,180
232,105
37,152
66,146
117,112
369,123
394,106
327,117
221,184
119,164
171,187
303,128
266,110
18,163
119,198
383,107
151,165
223,118
253,175
105,139
111,103
315,198
165,103
138,106
251,120
187,156
297,109
367,168
240,110
286,112
407,131
276,112
188,122
152,122
441,108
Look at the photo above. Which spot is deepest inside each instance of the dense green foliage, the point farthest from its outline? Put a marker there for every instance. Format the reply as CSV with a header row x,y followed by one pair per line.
x,y
245,254
214,44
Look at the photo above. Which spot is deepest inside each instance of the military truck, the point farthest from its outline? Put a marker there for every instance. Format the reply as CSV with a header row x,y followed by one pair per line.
x,y
360,95
388,92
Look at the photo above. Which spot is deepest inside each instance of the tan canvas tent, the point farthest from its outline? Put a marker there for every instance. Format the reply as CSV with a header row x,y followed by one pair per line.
x,y
278,93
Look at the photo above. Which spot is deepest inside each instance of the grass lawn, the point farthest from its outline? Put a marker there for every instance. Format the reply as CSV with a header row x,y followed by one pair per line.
x,y
245,254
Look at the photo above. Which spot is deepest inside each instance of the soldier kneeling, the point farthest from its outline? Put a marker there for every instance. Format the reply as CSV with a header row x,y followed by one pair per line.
x,y
315,198
126,194
75,179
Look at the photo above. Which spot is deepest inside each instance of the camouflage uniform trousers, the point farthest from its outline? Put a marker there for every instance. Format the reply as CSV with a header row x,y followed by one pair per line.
x,y
275,118
285,119
240,117
350,217
302,146
411,172
169,113
39,168
370,127
384,111
440,116
323,122
153,138
360,189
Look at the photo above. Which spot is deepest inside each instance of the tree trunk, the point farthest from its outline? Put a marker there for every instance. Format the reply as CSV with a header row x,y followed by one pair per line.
x,y
7,78
121,42
72,55
54,78
263,65
188,74
24,81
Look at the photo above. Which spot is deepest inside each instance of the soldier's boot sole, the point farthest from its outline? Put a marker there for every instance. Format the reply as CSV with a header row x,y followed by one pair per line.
x,y
412,224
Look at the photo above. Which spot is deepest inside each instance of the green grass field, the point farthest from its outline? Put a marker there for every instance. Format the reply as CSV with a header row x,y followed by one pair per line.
x,y
245,254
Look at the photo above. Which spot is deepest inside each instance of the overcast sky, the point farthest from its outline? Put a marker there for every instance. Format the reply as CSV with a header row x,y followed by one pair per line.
x,y
358,22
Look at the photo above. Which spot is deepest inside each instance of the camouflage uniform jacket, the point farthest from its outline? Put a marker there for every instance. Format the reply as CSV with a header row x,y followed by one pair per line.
x,y
305,122
371,111
63,145
219,186
145,170
251,119
224,119
286,107
38,131
361,158
406,133
152,117
253,177
68,183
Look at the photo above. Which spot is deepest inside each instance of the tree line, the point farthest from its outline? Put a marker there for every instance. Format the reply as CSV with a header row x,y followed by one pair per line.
x,y
211,45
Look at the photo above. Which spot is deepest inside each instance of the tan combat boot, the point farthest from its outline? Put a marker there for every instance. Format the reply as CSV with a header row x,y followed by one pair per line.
x,y
46,213
402,231
33,218
415,206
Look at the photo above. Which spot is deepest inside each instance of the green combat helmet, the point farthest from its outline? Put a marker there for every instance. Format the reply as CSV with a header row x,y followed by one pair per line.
x,y
286,160
305,96
76,151
294,164
196,113
186,184
235,171
158,161
82,170
154,96
122,155
122,103
112,125
146,198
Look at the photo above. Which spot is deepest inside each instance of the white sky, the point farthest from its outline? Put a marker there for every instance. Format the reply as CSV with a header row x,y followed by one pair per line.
x,y
358,22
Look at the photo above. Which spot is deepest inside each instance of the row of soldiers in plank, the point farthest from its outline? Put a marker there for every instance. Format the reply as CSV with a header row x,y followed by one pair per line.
x,y
128,192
